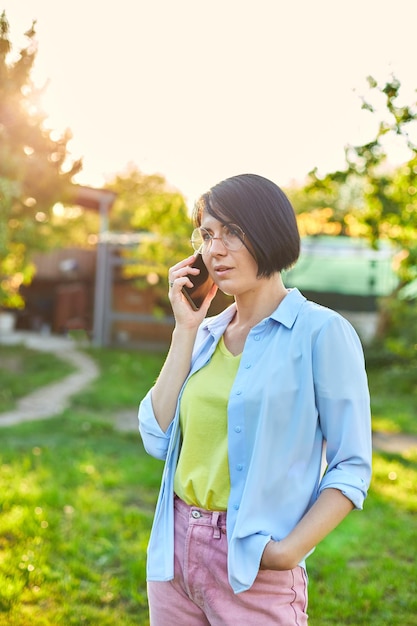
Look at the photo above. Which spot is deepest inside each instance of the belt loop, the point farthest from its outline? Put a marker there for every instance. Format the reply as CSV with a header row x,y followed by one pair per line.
x,y
214,522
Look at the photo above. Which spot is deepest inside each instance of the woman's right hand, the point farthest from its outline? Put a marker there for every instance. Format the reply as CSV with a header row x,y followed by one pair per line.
x,y
177,364
180,275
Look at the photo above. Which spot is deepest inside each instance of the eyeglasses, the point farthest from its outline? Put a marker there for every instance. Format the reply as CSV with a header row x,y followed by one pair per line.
x,y
232,237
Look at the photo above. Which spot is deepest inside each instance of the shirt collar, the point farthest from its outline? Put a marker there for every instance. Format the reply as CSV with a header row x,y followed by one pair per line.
x,y
286,313
216,325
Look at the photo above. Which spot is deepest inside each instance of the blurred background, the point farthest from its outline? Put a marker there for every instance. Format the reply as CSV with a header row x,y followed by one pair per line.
x,y
114,118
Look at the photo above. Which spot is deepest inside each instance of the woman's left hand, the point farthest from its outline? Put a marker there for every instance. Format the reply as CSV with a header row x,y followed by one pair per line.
x,y
330,508
275,557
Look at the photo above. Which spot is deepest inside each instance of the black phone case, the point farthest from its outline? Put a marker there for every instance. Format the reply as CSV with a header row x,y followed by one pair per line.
x,y
202,285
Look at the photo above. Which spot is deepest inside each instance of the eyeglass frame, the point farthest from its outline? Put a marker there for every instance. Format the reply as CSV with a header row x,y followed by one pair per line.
x,y
200,250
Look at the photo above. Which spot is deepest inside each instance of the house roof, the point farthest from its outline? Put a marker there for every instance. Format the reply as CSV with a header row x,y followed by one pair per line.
x,y
344,265
92,198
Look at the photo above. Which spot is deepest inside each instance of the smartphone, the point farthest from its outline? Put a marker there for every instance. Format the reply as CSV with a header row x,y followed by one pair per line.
x,y
202,284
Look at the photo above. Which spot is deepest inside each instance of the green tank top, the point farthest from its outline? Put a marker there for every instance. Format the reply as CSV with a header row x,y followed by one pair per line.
x,y
202,475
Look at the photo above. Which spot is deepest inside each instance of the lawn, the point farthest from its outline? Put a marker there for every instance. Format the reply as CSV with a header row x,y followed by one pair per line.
x,y
394,398
22,370
77,499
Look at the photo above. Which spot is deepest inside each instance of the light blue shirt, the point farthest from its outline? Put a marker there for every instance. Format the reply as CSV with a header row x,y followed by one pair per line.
x,y
301,388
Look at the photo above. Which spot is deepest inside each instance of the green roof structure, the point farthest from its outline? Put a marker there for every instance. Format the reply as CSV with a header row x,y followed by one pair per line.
x,y
343,265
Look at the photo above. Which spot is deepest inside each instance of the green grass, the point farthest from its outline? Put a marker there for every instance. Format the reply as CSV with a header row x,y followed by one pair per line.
x,y
364,573
76,506
125,377
77,500
394,398
22,370
77,503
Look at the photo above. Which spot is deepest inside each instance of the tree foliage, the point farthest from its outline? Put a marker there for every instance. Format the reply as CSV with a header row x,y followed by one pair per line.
x,y
369,196
34,169
146,204
377,201
35,178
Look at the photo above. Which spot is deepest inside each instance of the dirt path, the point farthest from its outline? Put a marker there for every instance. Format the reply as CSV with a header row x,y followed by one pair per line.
x,y
397,443
52,399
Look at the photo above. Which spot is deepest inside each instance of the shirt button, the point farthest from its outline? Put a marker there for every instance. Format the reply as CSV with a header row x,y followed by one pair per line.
x,y
236,507
239,467
257,337
238,392
238,429
247,366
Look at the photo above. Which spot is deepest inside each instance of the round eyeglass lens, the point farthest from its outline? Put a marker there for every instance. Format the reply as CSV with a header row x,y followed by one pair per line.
x,y
197,240
232,237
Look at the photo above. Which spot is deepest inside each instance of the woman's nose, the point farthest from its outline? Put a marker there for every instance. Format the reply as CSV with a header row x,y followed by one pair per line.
x,y
217,246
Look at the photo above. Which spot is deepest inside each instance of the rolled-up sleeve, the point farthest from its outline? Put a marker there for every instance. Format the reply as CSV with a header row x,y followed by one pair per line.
x,y
342,399
155,440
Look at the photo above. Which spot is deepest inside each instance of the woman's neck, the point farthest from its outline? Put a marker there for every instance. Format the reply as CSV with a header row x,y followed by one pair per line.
x,y
252,307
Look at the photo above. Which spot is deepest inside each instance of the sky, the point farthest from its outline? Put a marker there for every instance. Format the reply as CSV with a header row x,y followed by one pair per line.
x,y
199,91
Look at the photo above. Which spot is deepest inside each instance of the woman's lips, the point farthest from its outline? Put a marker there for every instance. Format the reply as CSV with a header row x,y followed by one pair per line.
x,y
221,270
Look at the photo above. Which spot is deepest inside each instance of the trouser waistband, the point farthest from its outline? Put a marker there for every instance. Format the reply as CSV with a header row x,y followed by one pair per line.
x,y
197,515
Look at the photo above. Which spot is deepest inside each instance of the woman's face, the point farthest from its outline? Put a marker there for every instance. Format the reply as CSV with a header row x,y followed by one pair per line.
x,y
234,272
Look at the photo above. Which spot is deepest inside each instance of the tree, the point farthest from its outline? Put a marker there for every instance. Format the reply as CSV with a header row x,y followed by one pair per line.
x,y
326,206
380,200
147,204
34,168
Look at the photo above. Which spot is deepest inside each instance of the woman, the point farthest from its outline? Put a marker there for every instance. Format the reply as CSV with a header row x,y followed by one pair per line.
x,y
244,406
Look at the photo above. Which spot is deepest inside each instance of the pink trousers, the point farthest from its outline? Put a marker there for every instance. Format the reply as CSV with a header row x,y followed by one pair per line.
x,y
200,593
